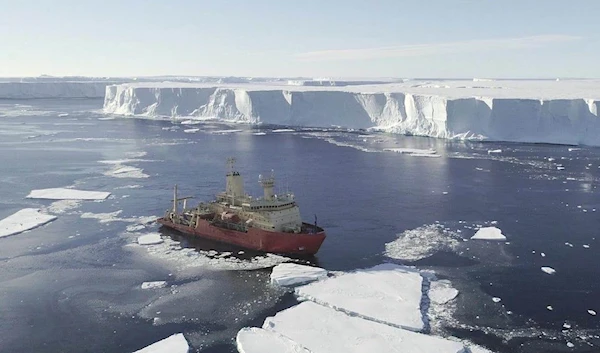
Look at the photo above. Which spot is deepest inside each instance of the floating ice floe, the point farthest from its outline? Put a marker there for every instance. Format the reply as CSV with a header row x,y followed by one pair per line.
x,y
591,312
283,130
172,344
494,151
149,239
496,299
259,133
222,132
258,340
489,233
386,293
191,131
441,292
288,274
121,171
414,152
324,330
154,284
23,220
67,194
548,270
62,206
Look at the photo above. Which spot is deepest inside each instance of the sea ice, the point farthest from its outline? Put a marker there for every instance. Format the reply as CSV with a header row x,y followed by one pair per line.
x,y
494,151
548,270
284,130
441,292
154,284
25,219
385,293
172,344
191,131
149,239
413,151
489,233
591,312
324,330
67,194
289,274
121,171
421,242
258,340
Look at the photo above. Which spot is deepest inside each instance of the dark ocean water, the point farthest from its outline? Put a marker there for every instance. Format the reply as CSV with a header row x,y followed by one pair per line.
x,y
74,284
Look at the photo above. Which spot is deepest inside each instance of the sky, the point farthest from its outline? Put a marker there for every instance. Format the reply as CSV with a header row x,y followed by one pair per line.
x,y
301,38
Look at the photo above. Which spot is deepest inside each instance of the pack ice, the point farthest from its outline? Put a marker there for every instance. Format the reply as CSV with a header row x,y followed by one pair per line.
x,y
563,112
386,293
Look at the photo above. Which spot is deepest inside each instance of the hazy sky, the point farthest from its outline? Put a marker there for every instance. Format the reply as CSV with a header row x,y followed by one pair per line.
x,y
314,38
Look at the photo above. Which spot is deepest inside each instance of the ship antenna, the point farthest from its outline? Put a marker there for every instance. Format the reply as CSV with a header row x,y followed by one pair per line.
x,y
231,164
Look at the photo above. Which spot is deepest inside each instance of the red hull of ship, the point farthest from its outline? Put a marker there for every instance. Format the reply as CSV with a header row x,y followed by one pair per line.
x,y
255,239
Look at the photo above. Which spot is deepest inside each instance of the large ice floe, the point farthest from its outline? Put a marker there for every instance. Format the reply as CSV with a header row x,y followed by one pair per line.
x,y
386,293
23,220
378,309
324,330
172,344
67,194
564,112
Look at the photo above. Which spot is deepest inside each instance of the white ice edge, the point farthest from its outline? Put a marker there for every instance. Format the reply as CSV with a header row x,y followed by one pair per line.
x,y
172,344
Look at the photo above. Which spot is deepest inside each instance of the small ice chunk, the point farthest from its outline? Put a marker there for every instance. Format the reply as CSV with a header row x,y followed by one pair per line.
x,y
154,284
548,270
258,340
172,344
441,292
414,152
591,312
549,307
289,274
560,168
543,254
149,239
191,131
570,344
496,300
324,330
567,326
67,194
283,130
489,233
494,151
586,246
25,219
386,293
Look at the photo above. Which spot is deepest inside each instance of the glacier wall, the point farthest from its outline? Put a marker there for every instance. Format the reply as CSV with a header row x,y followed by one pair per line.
x,y
59,89
562,121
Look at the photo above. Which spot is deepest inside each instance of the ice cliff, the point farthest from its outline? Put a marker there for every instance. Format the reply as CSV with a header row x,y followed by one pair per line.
x,y
536,111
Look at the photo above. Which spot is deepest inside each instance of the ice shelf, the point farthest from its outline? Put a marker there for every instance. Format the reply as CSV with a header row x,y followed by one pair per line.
x,y
563,112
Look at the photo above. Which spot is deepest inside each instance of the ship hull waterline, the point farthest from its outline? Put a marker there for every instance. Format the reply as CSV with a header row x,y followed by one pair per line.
x,y
255,238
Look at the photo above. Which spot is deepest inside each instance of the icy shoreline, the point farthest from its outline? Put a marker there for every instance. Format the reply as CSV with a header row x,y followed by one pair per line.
x,y
564,112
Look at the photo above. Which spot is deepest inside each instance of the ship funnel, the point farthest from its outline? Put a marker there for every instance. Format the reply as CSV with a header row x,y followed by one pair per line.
x,y
268,184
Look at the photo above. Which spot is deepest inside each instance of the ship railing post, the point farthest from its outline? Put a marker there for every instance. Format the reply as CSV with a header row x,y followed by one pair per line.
x,y
175,199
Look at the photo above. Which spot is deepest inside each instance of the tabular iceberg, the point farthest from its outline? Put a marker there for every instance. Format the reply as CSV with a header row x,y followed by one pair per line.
x,y
564,112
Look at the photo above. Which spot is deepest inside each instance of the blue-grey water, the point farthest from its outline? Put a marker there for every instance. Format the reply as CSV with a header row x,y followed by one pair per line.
x,y
74,285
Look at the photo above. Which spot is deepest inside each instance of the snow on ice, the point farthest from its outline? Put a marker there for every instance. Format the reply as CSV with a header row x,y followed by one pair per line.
x,y
324,330
172,344
564,112
489,233
23,220
385,293
67,194
257,340
149,239
289,274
